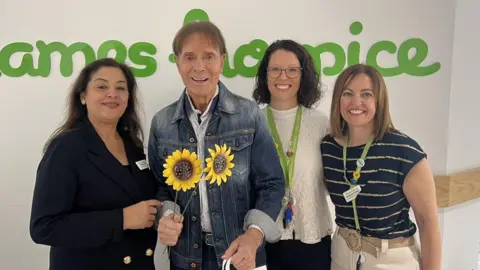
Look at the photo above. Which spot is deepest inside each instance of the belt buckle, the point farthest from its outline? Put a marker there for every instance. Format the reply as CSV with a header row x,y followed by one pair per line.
x,y
208,238
354,240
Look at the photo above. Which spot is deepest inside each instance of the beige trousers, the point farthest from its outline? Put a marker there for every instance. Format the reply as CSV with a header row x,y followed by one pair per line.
x,y
343,258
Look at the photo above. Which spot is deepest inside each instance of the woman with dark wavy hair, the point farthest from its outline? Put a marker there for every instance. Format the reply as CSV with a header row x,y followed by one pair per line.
x,y
94,199
289,85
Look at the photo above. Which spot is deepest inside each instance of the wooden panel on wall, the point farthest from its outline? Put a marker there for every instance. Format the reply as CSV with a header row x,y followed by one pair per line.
x,y
457,188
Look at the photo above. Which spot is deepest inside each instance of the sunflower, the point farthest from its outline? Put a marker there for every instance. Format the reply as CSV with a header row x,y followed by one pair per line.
x,y
219,164
182,170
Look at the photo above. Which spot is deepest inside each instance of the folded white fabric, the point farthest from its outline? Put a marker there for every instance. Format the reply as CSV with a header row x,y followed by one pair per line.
x,y
226,265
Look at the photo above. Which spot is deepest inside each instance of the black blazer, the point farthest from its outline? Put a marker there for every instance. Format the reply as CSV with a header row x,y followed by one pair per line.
x,y
80,191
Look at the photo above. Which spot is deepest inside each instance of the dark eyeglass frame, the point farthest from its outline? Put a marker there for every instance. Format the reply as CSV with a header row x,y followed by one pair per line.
x,y
269,74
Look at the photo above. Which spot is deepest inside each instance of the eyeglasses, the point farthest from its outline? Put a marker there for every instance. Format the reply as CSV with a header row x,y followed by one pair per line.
x,y
291,72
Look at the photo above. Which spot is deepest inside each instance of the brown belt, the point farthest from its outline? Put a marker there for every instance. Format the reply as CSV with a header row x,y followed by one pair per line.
x,y
371,245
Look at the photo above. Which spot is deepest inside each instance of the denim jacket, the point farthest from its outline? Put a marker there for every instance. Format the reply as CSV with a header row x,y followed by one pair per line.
x,y
251,196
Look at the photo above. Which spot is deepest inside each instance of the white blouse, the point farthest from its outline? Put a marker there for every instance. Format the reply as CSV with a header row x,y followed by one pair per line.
x,y
312,219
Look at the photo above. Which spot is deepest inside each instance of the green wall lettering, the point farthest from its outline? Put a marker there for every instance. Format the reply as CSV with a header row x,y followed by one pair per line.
x,y
66,61
332,48
26,63
255,49
135,54
373,52
228,72
142,55
107,46
354,47
412,66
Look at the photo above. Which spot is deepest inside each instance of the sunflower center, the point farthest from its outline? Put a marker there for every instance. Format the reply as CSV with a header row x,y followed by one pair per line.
x,y
219,164
183,170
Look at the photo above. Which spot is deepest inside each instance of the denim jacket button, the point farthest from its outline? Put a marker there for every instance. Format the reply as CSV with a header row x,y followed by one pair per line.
x,y
194,218
195,246
193,265
192,140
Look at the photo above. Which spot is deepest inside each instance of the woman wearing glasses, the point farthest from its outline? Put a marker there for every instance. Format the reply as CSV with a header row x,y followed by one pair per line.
x,y
289,85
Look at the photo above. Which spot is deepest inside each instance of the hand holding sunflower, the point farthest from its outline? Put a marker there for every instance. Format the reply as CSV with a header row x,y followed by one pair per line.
x,y
182,170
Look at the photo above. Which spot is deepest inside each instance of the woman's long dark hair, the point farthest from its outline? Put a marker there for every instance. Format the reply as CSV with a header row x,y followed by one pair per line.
x,y
129,123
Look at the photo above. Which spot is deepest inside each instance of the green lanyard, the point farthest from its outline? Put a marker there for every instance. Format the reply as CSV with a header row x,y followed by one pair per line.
x,y
356,174
287,162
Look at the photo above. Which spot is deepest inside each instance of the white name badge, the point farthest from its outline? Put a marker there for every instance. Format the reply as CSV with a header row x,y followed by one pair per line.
x,y
142,164
352,193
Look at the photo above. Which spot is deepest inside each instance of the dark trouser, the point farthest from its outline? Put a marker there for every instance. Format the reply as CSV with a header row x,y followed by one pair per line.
x,y
295,255
209,260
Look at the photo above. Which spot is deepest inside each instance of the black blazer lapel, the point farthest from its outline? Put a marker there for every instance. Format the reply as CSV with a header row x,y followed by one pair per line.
x,y
135,155
108,164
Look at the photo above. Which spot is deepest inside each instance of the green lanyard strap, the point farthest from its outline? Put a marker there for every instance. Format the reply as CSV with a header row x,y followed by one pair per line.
x,y
287,162
356,175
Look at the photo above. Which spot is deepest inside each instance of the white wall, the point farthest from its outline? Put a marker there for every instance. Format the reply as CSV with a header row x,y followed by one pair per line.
x,y
463,149
461,236
34,106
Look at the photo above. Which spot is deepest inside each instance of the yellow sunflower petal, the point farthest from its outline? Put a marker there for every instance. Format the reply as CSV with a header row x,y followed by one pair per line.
x,y
228,172
217,148
224,177
196,179
224,149
208,160
170,162
230,165
212,153
197,163
177,155
176,186
227,153
193,156
230,158
213,180
214,176
185,154
167,172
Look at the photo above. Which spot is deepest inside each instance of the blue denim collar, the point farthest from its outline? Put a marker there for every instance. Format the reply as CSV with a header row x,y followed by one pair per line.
x,y
225,102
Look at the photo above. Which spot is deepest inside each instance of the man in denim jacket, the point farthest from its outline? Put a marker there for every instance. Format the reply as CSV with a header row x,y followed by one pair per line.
x,y
220,222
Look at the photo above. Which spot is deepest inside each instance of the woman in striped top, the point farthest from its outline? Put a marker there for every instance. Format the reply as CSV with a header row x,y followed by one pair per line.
x,y
374,174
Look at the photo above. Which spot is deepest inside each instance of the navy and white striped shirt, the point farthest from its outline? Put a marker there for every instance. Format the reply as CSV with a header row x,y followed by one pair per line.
x,y
382,207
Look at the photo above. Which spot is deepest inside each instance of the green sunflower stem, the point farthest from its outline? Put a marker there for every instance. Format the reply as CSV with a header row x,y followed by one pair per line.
x,y
191,196
183,212
176,197
174,211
